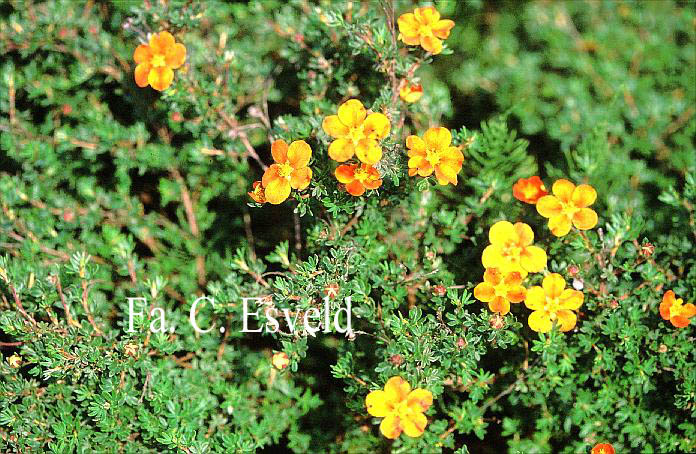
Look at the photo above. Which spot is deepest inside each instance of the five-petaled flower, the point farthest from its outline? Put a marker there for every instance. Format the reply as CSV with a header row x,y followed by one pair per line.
x,y
157,60
511,249
552,302
568,206
356,133
603,448
401,408
411,93
499,290
358,178
529,190
674,310
289,171
434,152
280,360
423,26
257,192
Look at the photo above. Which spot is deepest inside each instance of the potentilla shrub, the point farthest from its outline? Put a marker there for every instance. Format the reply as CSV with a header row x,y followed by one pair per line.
x,y
313,228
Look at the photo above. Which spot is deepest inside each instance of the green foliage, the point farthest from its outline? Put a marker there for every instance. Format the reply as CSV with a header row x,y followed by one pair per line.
x,y
109,191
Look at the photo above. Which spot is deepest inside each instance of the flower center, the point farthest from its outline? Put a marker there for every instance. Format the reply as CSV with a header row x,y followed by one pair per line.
x,y
569,209
357,133
157,61
361,175
552,306
511,250
432,156
284,170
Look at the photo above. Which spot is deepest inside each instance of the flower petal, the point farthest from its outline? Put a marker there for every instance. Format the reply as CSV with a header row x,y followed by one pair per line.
x,y
332,126
300,178
665,309
501,232
279,151
368,151
563,189
419,400
397,389
524,233
341,150
493,276
160,78
141,74
159,42
553,285
175,55
431,44
345,173
689,310
679,321
583,196
376,126
391,426
142,54
540,322
415,145
414,426
560,225
299,153
571,299
484,292
427,15
567,319
500,305
585,218
535,299
377,404
516,293
549,206
277,190
408,25
442,28
533,259
492,257
438,138
355,188
351,113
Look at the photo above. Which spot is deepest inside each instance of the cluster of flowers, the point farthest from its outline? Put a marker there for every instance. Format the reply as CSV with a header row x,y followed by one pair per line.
x,y
511,256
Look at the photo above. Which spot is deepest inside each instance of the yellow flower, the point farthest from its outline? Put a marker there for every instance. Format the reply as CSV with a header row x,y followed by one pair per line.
x,y
356,133
499,290
552,302
434,153
401,408
423,26
511,249
411,93
280,360
14,361
290,170
157,60
568,205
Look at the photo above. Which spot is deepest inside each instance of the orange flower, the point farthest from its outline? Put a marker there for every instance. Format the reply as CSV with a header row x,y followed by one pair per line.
x,y
674,310
411,93
499,290
552,301
568,205
157,60
423,26
280,360
356,133
529,190
511,249
434,153
257,193
603,448
290,170
358,177
401,408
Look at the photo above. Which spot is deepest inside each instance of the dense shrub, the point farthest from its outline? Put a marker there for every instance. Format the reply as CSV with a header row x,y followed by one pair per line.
x,y
110,190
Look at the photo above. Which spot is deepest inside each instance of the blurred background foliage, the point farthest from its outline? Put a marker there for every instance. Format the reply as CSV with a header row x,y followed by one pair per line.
x,y
109,191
